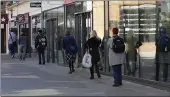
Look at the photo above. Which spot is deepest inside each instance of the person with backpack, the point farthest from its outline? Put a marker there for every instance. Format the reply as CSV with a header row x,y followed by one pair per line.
x,y
40,45
164,52
71,49
92,45
12,42
22,46
116,48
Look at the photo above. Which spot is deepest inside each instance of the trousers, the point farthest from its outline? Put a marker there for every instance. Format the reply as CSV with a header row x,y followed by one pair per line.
x,y
117,74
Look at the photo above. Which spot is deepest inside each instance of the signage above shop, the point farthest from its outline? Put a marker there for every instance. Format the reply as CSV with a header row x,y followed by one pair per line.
x,y
4,18
35,4
22,18
68,1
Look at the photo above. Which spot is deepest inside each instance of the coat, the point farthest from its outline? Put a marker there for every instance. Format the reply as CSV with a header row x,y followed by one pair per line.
x,y
114,58
93,46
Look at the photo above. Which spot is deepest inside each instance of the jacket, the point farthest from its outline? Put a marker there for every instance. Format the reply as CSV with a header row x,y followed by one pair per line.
x,y
38,42
92,45
22,39
114,58
67,41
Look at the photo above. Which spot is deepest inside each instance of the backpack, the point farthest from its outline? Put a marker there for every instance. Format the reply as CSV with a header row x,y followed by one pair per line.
x,y
118,45
42,42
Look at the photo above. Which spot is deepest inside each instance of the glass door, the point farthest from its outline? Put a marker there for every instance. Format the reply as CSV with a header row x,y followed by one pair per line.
x,y
82,30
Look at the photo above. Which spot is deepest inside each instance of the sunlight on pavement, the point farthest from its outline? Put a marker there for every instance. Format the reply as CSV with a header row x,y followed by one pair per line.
x,y
35,92
29,76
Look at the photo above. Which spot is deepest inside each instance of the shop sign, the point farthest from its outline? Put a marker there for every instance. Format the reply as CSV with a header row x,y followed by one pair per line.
x,y
4,18
35,4
22,18
68,1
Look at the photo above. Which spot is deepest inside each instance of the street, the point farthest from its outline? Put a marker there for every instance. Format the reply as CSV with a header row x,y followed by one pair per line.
x,y
27,78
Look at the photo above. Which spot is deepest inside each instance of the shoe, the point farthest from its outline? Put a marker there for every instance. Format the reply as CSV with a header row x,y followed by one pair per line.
x,y
44,63
120,84
73,70
39,63
91,77
70,72
115,85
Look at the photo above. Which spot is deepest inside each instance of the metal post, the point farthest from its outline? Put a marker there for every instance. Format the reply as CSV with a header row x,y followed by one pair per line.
x,y
106,34
42,17
156,37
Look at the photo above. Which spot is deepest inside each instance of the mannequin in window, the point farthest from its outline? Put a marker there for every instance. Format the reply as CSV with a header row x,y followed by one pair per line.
x,y
132,46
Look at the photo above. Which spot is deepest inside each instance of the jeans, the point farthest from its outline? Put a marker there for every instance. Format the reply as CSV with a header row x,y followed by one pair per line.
x,y
22,48
11,49
41,53
117,74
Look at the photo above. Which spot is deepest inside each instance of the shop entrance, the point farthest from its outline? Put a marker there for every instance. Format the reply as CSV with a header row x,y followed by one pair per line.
x,y
83,27
54,40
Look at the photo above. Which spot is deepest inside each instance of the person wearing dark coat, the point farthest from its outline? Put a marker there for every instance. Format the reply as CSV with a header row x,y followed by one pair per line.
x,y
92,45
70,48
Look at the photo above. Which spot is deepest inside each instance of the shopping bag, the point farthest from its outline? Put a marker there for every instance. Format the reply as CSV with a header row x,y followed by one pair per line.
x,y
87,60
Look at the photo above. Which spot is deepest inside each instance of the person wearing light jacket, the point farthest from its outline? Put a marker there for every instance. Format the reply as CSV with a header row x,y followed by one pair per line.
x,y
12,43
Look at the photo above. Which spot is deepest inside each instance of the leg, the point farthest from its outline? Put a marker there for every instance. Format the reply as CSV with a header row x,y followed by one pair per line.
x,y
43,56
165,72
115,75
20,52
119,68
39,55
92,71
73,60
24,51
12,50
70,66
97,70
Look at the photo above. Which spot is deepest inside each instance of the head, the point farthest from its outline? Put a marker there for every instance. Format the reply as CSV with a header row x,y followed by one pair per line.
x,y
40,32
130,34
115,31
68,32
93,33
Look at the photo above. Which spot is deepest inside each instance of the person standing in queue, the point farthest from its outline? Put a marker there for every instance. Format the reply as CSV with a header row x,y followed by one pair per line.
x,y
116,52
40,45
70,48
92,45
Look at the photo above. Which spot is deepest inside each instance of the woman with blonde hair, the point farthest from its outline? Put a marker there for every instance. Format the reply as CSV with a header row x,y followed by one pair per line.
x,y
92,45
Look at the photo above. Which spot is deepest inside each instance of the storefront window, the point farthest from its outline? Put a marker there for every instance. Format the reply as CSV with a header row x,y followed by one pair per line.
x,y
136,21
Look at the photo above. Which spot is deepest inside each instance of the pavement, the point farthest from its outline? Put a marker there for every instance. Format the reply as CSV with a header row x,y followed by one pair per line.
x,y
27,78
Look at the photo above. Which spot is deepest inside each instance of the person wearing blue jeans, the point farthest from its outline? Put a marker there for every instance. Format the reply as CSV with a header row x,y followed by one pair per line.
x,y
11,39
117,74
11,50
115,59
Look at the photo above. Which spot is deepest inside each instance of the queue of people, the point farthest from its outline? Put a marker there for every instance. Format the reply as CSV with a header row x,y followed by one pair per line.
x,y
115,46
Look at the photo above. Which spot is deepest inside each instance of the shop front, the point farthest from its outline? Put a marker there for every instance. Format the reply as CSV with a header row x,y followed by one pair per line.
x,y
79,21
54,25
138,21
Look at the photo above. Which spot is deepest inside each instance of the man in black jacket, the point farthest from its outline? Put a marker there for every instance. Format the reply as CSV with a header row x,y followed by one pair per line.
x,y
40,45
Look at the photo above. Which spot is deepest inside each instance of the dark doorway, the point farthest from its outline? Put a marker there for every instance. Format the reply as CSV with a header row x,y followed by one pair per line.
x,y
83,27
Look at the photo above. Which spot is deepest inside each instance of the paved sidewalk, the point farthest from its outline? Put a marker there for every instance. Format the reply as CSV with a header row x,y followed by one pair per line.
x,y
77,84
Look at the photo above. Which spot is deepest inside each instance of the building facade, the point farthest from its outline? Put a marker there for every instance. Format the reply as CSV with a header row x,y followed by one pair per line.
x,y
142,18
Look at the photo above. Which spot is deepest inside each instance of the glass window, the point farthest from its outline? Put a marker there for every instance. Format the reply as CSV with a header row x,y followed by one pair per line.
x,y
137,23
